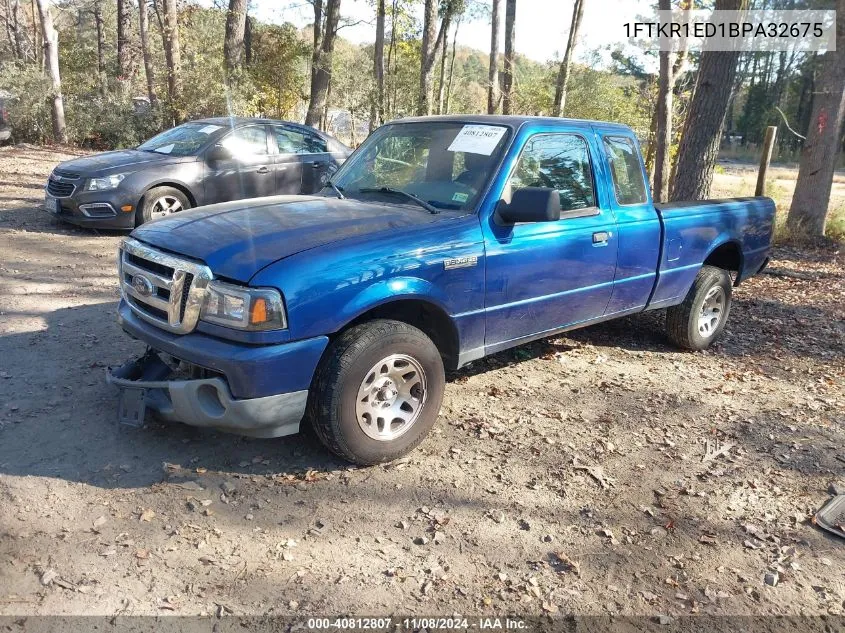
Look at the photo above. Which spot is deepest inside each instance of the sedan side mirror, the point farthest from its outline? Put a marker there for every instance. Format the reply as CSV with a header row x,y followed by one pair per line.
x,y
218,153
531,204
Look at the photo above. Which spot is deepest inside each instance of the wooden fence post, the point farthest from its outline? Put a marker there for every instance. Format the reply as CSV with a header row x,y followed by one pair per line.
x,y
765,159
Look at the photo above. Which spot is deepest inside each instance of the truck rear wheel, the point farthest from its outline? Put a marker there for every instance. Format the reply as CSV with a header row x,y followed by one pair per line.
x,y
697,322
377,392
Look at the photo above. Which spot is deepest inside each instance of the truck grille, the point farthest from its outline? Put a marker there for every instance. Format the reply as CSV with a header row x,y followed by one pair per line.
x,y
160,288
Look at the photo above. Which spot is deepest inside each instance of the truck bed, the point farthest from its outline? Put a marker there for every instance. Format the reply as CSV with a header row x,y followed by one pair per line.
x,y
739,230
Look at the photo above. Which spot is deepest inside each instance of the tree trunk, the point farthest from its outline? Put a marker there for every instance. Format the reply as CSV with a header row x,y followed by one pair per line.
x,y
565,65
493,72
705,119
377,109
809,209
124,46
249,28
17,29
663,122
321,60
173,58
391,66
36,39
233,42
101,40
452,65
144,28
507,70
663,131
441,86
7,18
51,55
428,53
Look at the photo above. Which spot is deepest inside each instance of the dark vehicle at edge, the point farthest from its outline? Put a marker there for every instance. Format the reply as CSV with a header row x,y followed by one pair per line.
x,y
197,163
5,129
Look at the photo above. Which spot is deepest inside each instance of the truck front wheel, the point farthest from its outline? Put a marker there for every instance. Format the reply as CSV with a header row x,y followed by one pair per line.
x,y
377,391
700,319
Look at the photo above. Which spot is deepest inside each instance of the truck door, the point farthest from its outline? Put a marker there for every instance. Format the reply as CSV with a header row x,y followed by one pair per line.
x,y
637,224
544,276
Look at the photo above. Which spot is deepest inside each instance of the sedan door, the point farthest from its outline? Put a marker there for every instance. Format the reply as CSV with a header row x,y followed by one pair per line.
x,y
246,170
287,163
317,164
544,276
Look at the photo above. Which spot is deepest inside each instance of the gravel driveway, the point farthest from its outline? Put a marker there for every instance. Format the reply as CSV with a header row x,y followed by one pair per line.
x,y
602,472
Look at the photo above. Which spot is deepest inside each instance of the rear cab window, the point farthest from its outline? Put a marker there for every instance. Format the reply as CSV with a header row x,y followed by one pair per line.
x,y
626,170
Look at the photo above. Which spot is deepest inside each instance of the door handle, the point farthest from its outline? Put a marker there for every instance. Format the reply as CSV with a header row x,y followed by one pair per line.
x,y
316,164
600,238
262,170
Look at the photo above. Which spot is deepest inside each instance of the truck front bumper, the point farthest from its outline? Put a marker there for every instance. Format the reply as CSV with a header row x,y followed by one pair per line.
x,y
254,390
149,383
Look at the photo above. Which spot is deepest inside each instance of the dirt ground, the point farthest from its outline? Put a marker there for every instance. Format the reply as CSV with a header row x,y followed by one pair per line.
x,y
567,476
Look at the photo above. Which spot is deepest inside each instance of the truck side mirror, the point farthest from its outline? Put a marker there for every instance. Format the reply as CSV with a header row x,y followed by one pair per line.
x,y
218,153
531,204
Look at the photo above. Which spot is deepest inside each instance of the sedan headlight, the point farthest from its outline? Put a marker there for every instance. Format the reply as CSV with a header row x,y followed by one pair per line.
x,y
105,183
243,308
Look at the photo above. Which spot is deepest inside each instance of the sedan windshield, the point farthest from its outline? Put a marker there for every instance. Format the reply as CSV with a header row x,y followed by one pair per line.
x,y
184,140
445,164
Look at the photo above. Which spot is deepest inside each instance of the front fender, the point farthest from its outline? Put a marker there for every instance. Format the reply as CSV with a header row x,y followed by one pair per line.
x,y
389,290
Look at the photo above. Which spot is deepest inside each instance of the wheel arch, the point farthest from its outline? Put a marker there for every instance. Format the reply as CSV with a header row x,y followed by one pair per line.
x,y
422,313
170,183
727,255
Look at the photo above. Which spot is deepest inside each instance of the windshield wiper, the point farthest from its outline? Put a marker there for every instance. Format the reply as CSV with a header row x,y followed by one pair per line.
x,y
337,190
425,205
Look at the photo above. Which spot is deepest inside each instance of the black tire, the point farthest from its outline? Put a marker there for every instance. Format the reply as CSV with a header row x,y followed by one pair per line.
x,y
682,321
144,212
345,366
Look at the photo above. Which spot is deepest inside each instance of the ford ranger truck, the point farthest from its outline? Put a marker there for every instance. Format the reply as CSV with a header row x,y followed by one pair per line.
x,y
441,240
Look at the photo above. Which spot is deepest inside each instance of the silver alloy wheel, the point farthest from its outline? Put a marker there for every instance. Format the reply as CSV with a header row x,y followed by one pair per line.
x,y
165,205
391,397
712,311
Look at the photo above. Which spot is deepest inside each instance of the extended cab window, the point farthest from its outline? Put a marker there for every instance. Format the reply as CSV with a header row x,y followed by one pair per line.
x,y
247,141
557,161
294,142
625,166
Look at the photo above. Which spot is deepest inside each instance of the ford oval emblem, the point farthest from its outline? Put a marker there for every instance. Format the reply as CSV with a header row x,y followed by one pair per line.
x,y
142,285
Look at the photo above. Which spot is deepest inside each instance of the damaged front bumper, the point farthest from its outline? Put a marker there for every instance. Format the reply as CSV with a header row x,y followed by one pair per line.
x,y
174,395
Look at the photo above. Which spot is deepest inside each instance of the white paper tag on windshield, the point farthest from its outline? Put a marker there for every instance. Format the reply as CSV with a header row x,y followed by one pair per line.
x,y
209,129
165,149
477,139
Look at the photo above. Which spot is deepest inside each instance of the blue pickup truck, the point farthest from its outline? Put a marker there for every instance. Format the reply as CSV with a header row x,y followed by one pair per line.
x,y
440,241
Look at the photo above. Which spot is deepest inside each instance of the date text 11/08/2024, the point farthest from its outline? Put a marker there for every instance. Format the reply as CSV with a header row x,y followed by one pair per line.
x,y
417,623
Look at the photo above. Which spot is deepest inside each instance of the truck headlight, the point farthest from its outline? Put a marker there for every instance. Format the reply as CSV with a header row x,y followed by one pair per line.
x,y
105,183
243,308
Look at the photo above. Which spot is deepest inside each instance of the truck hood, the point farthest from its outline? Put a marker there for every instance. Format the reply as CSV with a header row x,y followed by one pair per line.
x,y
237,239
117,161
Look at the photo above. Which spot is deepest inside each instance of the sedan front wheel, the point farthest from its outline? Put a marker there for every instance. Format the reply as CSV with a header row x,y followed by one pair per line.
x,y
160,202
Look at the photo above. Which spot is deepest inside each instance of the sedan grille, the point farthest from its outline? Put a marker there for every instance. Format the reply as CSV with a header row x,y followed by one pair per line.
x,y
60,189
160,288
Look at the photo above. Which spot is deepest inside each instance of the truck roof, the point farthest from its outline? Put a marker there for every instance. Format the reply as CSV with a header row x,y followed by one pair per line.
x,y
514,121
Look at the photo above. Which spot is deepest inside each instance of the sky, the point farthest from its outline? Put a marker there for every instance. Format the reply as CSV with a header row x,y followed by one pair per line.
x,y
542,26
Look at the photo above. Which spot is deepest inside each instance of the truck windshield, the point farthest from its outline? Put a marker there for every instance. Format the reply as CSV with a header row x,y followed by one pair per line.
x,y
446,164
183,140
